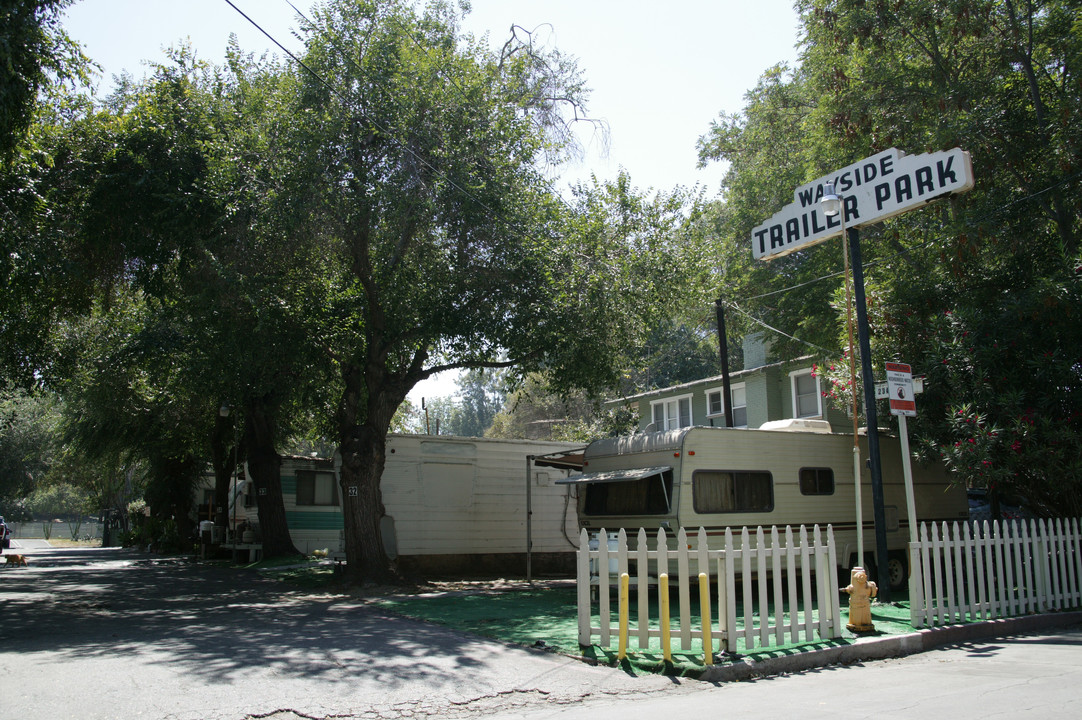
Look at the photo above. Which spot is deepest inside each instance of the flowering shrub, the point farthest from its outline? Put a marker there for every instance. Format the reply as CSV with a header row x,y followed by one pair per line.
x,y
1003,400
837,386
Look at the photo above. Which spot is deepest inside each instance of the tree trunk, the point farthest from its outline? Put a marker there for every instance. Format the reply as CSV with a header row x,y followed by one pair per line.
x,y
264,467
363,449
223,455
363,458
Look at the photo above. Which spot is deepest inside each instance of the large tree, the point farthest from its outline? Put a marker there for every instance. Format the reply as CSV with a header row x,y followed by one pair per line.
x,y
425,159
173,195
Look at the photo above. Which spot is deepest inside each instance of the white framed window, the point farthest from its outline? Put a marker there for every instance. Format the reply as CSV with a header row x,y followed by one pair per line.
x,y
671,413
316,488
715,405
807,399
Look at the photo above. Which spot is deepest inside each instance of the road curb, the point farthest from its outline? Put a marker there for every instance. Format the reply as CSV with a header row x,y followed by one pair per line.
x,y
887,647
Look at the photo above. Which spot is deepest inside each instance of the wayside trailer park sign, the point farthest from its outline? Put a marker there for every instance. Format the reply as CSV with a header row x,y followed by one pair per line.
x,y
873,189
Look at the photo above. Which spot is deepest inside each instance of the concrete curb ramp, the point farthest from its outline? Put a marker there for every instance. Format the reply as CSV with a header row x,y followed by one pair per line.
x,y
889,647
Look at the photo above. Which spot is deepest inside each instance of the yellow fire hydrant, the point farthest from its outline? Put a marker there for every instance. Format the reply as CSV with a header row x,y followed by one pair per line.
x,y
861,590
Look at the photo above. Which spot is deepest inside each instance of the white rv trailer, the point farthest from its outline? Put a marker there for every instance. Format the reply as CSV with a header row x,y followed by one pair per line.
x,y
794,474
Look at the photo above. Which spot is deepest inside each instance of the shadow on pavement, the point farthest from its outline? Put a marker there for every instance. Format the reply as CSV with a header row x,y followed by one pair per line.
x,y
212,622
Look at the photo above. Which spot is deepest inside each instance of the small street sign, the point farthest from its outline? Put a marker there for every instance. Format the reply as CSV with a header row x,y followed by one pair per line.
x,y
900,390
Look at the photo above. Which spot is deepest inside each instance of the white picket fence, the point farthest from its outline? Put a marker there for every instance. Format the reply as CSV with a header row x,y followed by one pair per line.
x,y
983,571
780,602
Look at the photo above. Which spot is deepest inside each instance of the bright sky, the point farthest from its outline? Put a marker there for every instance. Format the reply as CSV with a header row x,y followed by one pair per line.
x,y
660,71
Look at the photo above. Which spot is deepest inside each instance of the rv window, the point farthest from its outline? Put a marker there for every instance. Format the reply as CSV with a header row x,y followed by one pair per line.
x,y
816,481
646,496
724,491
316,488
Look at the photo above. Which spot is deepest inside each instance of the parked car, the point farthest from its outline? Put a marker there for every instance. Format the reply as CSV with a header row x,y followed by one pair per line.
x,y
5,534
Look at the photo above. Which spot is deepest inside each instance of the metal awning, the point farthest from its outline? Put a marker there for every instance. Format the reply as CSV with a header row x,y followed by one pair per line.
x,y
564,460
611,476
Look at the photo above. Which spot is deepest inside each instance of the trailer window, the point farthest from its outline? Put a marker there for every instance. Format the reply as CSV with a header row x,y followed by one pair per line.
x,y
727,491
816,481
316,488
646,496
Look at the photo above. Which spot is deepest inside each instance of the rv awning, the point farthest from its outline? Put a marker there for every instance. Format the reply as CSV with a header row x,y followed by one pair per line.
x,y
566,460
613,476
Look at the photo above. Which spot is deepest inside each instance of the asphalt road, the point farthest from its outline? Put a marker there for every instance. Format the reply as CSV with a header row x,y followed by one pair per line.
x,y
1032,676
92,633
107,633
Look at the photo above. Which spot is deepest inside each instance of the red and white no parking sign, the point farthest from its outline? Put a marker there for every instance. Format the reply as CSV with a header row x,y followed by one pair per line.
x,y
900,390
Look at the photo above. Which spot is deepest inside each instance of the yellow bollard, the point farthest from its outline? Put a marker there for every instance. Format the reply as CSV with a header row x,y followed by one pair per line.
x,y
704,609
663,602
625,581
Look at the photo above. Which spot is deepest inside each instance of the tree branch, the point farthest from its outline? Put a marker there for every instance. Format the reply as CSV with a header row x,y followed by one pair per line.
x,y
472,364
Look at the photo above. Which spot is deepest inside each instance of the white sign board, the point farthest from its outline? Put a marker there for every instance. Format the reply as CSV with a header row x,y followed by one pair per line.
x,y
873,189
900,390
881,392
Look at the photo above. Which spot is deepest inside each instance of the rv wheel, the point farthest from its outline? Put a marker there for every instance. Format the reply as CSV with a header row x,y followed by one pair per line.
x,y
897,571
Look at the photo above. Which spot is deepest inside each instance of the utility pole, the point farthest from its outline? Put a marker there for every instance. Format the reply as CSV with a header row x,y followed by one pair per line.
x,y
723,343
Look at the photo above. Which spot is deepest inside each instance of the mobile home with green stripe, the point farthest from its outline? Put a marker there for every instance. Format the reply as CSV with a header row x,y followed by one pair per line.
x,y
454,505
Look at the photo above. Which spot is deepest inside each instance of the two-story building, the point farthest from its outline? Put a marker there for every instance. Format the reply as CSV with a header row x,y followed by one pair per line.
x,y
766,389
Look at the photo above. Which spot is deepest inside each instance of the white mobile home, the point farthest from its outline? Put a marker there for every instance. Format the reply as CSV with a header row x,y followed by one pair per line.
x,y
722,478
453,505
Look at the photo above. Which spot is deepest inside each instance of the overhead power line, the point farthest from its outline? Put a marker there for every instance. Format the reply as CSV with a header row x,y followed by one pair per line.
x,y
734,306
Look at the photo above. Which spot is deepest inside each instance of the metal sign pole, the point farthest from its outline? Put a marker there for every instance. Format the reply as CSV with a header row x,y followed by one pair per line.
x,y
529,519
883,578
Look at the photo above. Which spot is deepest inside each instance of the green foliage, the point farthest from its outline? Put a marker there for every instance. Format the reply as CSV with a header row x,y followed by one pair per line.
x,y
675,352
117,415
150,531
769,154
601,424
1006,401
28,445
483,393
978,292
158,534
535,411
35,55
59,500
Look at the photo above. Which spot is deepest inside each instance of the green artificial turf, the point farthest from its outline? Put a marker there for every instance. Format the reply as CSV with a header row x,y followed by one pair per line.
x,y
546,618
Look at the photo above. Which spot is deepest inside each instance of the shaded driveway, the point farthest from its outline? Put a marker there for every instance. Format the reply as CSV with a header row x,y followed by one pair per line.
x,y
105,633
